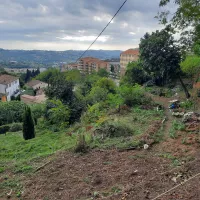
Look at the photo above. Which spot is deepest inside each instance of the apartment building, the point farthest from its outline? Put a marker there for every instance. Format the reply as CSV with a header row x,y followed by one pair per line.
x,y
126,57
90,64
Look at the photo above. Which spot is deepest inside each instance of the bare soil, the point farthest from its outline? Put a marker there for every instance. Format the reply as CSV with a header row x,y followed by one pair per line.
x,y
113,175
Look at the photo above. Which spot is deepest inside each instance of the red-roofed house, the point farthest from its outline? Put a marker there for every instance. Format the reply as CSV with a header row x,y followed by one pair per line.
x,y
126,57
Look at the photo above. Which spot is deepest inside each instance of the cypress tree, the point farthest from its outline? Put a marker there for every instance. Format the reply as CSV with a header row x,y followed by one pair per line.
x,y
28,124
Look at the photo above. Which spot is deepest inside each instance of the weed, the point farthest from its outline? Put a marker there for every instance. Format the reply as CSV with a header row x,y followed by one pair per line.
x,y
115,189
2,169
81,146
107,163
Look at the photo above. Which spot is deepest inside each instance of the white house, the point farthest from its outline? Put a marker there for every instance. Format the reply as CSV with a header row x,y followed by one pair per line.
x,y
9,86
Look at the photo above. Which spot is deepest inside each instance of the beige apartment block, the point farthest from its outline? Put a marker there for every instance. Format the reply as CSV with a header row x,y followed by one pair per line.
x,y
90,64
126,57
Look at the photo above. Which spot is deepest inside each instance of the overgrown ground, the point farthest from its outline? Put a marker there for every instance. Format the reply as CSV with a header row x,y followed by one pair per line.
x,y
44,168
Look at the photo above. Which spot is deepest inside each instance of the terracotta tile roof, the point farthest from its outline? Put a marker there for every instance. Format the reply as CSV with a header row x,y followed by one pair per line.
x,y
33,83
6,79
93,60
131,52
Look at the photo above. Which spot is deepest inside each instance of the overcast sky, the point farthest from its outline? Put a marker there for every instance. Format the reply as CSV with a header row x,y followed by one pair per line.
x,y
74,24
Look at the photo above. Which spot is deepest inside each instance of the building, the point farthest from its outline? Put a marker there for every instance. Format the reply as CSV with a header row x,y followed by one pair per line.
x,y
126,57
114,65
36,84
9,86
70,66
90,64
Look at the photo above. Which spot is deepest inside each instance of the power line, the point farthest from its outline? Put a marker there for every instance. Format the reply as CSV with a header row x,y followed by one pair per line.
x,y
102,31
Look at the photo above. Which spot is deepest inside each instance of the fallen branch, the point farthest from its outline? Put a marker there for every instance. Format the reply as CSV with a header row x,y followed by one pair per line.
x,y
39,168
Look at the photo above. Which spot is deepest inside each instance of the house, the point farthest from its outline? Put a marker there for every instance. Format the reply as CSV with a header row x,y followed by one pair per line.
x,y
36,84
130,55
90,64
9,86
70,66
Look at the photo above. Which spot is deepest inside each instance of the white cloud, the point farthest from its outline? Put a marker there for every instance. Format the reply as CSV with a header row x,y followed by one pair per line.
x,y
132,33
124,25
84,38
104,17
2,22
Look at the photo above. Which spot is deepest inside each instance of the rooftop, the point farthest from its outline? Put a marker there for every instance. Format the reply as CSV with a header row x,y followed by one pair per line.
x,y
6,79
131,52
92,59
33,83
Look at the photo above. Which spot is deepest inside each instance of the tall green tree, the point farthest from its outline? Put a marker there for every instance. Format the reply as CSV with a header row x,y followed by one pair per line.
x,y
28,124
160,57
186,15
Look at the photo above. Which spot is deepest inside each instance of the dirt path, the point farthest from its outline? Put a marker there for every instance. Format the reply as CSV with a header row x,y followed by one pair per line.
x,y
169,118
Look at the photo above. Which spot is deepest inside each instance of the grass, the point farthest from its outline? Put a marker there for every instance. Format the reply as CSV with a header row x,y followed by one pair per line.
x,y
138,121
14,148
23,157
20,157
176,126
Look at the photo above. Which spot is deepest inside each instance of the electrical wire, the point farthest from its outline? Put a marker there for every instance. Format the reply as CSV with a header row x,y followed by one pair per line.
x,y
102,31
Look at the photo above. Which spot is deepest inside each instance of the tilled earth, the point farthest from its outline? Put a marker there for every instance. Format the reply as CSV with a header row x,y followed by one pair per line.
x,y
113,175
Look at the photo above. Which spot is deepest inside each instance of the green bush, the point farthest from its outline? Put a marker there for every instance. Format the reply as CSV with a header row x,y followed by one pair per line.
x,y
15,127
57,113
113,129
4,129
133,95
187,104
11,111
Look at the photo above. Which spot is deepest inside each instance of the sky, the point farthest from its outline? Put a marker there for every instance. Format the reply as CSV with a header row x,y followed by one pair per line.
x,y
74,24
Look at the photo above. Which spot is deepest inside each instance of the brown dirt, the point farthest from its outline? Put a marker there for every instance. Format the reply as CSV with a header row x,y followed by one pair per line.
x,y
112,175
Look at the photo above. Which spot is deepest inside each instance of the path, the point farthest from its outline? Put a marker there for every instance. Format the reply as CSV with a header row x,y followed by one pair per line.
x,y
165,103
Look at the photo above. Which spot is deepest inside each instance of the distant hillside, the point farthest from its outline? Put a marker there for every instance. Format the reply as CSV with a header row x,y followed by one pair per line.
x,y
49,57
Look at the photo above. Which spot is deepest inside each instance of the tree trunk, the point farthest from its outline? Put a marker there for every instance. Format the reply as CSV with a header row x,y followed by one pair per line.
x,y
187,94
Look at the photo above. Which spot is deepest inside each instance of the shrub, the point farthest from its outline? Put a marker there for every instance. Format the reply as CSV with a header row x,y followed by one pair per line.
x,y
133,95
57,113
81,146
28,125
187,104
11,111
96,95
4,129
15,127
113,129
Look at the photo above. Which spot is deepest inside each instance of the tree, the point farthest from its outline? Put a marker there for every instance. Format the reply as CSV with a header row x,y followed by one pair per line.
x,y
28,75
28,124
60,89
103,73
186,15
160,57
191,66
106,83
135,74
